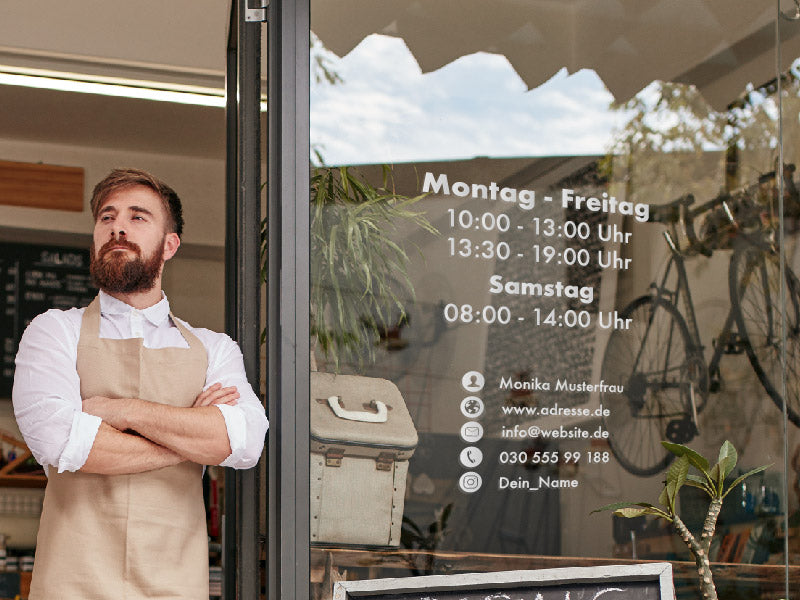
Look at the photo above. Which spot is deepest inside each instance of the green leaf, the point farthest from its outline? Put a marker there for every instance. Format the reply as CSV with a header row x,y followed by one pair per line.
x,y
632,513
672,492
717,480
676,477
663,498
618,505
612,506
634,509
699,482
741,478
696,460
359,284
678,471
727,459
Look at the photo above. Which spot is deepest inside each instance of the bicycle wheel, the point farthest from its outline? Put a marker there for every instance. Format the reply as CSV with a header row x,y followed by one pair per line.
x,y
754,279
663,379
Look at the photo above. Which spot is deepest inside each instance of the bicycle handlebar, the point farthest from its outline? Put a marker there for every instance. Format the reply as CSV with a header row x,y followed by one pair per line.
x,y
743,208
670,212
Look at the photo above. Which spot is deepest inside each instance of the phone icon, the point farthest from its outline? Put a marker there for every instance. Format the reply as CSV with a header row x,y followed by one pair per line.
x,y
471,457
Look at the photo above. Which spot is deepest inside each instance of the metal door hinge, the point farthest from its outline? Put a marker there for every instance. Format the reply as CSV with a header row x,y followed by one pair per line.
x,y
258,14
333,457
384,461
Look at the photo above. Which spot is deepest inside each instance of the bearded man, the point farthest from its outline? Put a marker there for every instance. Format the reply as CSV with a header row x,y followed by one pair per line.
x,y
123,404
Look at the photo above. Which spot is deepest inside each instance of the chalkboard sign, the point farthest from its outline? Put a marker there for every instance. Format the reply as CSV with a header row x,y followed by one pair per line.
x,y
652,581
36,278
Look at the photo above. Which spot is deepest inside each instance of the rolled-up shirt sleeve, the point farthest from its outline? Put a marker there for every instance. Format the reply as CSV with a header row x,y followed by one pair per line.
x,y
246,421
46,395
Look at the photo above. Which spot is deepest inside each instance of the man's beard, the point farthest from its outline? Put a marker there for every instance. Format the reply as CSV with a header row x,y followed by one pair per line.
x,y
120,274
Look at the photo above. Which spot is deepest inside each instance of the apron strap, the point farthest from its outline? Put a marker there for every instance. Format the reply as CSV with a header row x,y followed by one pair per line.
x,y
190,338
90,328
90,323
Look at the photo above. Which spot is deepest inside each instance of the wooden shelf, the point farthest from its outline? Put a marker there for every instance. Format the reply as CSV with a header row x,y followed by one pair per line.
x,y
767,577
41,186
23,481
8,475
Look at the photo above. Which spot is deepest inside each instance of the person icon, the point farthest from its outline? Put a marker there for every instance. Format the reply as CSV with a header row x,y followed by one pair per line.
x,y
473,381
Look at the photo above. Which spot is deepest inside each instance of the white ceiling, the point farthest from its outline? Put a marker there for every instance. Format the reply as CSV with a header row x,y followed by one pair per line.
x,y
101,121
180,41
183,41
179,35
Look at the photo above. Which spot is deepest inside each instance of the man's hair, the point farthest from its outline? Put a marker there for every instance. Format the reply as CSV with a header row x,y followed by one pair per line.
x,y
120,179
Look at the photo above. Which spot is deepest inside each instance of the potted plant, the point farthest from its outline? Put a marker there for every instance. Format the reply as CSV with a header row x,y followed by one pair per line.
x,y
359,279
712,481
359,273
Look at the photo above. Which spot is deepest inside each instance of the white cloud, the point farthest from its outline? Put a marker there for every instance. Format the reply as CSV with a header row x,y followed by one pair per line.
x,y
386,110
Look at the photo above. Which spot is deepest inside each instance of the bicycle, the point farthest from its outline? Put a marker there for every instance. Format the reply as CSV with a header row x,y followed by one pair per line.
x,y
660,360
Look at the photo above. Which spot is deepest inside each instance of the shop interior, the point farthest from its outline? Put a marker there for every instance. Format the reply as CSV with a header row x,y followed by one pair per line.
x,y
87,88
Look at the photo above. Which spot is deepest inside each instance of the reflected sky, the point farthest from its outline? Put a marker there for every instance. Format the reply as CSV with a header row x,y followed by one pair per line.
x,y
386,111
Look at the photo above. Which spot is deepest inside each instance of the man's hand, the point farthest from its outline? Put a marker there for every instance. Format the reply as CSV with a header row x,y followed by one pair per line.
x,y
216,394
197,433
117,453
111,410
114,410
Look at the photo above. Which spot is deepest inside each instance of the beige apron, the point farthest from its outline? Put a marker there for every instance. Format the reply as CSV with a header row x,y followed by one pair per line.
x,y
127,537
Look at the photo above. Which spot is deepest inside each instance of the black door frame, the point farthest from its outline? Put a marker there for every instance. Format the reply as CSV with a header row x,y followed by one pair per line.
x,y
288,299
287,293
287,290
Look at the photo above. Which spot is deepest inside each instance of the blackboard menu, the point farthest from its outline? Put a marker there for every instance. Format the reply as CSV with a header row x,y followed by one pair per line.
x,y
638,590
9,585
36,278
648,581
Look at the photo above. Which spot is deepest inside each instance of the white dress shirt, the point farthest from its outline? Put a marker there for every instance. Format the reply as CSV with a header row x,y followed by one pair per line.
x,y
47,398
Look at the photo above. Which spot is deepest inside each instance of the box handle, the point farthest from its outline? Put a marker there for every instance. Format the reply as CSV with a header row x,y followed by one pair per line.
x,y
354,415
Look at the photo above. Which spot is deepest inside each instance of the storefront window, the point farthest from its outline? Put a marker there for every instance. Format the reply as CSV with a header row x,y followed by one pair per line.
x,y
546,238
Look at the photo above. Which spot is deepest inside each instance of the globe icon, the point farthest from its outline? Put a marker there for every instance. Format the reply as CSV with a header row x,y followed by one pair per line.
x,y
472,407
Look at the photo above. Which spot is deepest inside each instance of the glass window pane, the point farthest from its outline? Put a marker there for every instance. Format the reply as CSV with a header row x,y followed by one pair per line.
x,y
546,238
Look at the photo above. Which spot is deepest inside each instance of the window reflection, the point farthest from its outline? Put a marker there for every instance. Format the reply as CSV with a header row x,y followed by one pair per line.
x,y
598,330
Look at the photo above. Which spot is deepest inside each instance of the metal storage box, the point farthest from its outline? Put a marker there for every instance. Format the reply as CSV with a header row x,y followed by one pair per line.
x,y
362,437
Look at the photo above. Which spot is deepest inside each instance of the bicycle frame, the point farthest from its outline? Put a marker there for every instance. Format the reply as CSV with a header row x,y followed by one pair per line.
x,y
680,296
666,374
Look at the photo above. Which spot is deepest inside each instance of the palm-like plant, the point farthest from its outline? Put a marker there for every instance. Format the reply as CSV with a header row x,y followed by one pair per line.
x,y
709,479
359,272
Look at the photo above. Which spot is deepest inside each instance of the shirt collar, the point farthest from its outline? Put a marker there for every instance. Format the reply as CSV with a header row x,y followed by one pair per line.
x,y
156,314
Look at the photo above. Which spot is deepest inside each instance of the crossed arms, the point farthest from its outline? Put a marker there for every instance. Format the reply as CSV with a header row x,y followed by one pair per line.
x,y
167,435
62,428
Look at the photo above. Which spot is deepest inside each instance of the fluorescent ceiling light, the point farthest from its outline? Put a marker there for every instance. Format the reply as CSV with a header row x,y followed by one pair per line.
x,y
114,86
